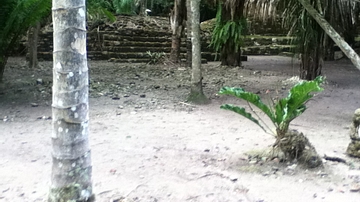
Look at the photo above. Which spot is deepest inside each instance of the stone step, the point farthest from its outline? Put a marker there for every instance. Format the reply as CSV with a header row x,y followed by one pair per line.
x,y
132,60
128,49
141,43
136,38
123,53
157,41
133,32
114,39
142,60
210,57
267,50
124,49
98,55
45,56
254,40
108,43
166,44
248,40
250,50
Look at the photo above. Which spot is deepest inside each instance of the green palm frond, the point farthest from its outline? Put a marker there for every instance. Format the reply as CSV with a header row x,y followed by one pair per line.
x,y
283,111
343,13
98,9
261,9
228,31
249,97
17,17
125,6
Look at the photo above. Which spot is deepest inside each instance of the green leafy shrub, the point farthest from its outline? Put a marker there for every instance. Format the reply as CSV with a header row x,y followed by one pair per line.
x,y
124,6
281,113
98,9
228,32
156,57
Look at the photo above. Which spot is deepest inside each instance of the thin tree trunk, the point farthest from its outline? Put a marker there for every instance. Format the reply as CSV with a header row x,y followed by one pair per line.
x,y
175,49
33,37
329,52
230,57
328,44
177,17
142,7
311,64
152,5
71,166
196,94
343,45
2,68
188,35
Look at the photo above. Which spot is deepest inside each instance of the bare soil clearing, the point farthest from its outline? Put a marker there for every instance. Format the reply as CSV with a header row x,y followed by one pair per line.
x,y
149,145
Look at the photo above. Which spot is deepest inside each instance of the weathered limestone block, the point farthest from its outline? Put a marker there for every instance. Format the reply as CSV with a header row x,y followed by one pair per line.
x,y
354,146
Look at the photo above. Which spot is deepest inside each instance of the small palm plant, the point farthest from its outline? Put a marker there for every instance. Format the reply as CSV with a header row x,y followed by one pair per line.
x,y
156,57
292,143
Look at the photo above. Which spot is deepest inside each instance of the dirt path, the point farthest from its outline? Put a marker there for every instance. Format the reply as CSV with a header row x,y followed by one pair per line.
x,y
148,145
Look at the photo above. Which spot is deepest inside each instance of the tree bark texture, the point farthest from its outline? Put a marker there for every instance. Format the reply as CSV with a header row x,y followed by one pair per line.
x,y
33,37
343,45
330,14
142,7
188,35
177,21
71,167
196,94
229,56
2,68
311,64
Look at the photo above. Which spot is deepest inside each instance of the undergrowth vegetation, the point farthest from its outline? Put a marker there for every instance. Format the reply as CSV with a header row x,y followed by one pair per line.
x,y
156,57
228,32
293,144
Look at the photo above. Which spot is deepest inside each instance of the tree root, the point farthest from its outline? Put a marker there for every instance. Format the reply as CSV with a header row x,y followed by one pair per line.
x,y
297,147
335,159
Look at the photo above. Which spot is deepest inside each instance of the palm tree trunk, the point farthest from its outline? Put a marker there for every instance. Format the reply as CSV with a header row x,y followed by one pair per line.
x,y
330,14
33,36
311,64
230,56
196,94
188,35
71,166
177,17
2,68
344,46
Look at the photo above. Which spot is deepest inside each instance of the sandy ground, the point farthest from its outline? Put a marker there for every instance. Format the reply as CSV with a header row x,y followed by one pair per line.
x,y
149,145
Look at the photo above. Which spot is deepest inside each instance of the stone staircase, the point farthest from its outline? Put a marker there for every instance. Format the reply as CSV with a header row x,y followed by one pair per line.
x,y
119,42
